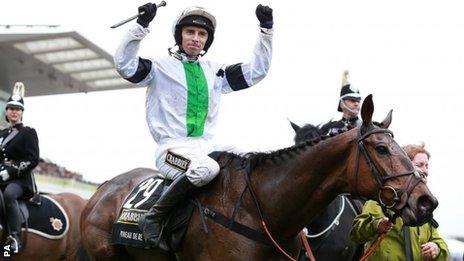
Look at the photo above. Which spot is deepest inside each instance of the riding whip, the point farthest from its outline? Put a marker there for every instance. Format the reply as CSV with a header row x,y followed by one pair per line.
x,y
162,3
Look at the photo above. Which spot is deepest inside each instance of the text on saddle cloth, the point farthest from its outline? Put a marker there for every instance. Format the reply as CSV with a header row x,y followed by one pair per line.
x,y
138,202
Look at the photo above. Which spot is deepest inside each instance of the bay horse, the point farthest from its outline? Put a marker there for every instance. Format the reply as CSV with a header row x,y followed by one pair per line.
x,y
280,192
36,247
329,232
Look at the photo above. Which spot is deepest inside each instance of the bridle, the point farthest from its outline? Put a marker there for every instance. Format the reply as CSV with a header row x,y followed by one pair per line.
x,y
401,195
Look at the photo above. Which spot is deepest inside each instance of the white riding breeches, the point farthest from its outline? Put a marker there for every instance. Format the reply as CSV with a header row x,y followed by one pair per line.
x,y
201,168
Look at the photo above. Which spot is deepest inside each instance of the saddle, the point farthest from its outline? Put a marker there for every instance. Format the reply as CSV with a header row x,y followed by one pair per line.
x,y
47,218
126,231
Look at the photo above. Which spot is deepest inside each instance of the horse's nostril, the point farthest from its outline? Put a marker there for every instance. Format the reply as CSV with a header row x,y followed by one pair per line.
x,y
427,204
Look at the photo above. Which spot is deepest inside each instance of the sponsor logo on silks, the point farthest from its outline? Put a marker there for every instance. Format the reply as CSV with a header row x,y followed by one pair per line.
x,y
56,223
6,251
130,217
177,161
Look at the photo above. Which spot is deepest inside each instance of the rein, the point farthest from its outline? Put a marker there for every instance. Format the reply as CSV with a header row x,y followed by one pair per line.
x,y
246,231
373,247
379,176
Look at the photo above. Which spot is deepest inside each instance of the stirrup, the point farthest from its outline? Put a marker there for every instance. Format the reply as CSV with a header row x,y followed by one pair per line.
x,y
14,244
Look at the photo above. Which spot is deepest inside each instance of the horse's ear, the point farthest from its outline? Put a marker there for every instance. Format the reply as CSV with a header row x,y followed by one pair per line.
x,y
387,121
294,126
367,110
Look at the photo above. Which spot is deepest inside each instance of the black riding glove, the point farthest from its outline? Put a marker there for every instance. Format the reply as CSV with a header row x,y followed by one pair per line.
x,y
264,15
149,10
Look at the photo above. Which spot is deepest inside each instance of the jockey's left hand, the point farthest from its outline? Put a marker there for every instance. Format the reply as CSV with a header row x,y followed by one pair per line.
x,y
264,15
4,175
430,250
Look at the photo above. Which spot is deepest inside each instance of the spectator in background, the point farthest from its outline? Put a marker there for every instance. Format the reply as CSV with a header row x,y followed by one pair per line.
x,y
349,104
425,241
19,156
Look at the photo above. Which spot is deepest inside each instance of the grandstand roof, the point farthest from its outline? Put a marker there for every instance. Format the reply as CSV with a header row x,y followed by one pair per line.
x,y
55,63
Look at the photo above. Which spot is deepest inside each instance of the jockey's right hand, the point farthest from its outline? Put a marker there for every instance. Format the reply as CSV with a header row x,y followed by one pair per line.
x,y
149,10
264,15
384,225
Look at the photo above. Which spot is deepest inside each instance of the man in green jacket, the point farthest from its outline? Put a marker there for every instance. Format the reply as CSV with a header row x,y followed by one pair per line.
x,y
426,243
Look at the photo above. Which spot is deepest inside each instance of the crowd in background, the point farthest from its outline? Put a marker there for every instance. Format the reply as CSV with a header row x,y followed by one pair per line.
x,y
49,168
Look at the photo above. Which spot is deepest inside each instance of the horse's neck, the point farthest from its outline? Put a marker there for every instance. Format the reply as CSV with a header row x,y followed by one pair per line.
x,y
293,192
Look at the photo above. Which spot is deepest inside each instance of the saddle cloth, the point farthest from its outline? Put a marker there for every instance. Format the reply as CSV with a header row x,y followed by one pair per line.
x,y
138,202
48,219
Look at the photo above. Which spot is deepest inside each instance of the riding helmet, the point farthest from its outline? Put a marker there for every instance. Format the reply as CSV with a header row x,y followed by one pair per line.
x,y
196,16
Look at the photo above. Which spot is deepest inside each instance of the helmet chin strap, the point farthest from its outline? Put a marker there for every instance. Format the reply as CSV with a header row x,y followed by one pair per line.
x,y
182,56
343,106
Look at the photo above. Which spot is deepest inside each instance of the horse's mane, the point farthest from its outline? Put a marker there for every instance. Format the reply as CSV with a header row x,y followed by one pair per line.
x,y
256,159
316,135
306,137
311,135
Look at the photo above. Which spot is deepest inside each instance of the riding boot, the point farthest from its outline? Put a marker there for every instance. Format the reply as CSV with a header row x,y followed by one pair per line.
x,y
14,224
151,222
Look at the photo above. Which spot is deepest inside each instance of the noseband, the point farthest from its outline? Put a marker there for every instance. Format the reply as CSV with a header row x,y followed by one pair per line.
x,y
400,195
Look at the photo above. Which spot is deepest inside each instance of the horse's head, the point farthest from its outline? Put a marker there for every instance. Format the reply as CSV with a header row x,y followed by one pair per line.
x,y
307,132
385,173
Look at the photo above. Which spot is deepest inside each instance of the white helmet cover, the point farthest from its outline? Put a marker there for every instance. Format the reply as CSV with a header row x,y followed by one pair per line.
x,y
197,16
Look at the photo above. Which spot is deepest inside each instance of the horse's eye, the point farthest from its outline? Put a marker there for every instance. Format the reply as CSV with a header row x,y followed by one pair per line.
x,y
382,150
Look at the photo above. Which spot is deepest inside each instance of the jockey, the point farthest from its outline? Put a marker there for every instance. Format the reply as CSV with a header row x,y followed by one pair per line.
x,y
19,156
349,104
183,99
